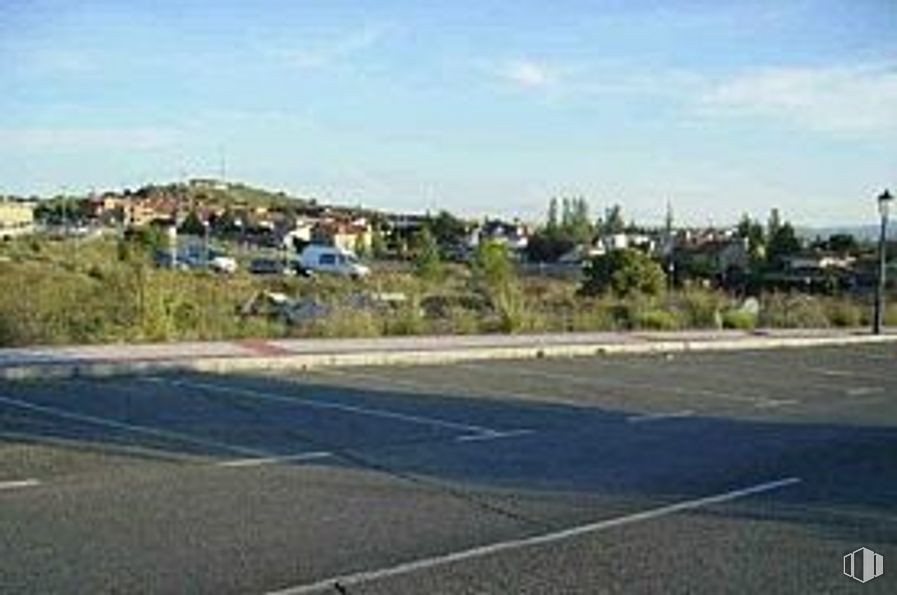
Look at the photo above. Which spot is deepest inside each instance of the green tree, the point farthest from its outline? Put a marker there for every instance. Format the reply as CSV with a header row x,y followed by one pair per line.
x,y
552,225
378,244
427,263
547,246
623,273
360,247
192,225
492,265
579,227
783,242
842,243
613,220
494,273
447,229
754,233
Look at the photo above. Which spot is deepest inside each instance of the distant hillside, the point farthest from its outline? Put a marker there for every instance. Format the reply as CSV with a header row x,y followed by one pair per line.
x,y
863,233
228,194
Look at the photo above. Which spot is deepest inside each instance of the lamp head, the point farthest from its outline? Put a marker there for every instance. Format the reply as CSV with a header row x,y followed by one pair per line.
x,y
884,203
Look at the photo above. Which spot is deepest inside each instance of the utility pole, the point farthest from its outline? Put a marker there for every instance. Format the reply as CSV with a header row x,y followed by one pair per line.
x,y
670,246
884,205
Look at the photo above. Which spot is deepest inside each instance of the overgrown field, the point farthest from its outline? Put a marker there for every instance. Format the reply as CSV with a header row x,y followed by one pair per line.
x,y
100,291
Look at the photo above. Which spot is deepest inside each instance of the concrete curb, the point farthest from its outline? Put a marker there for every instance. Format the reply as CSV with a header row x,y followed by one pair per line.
x,y
386,357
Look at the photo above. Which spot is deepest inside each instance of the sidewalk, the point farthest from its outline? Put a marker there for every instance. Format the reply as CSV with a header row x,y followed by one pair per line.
x,y
232,356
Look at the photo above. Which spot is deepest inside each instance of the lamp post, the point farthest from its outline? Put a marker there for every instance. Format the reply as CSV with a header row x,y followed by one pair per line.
x,y
884,206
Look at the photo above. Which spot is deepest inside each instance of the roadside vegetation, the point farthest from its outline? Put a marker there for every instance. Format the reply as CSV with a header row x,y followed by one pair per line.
x,y
108,290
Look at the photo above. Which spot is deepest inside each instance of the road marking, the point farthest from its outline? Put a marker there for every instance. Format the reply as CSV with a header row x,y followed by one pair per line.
x,y
383,413
441,387
20,483
593,381
259,461
113,449
864,390
547,538
110,423
485,436
772,403
633,419
831,372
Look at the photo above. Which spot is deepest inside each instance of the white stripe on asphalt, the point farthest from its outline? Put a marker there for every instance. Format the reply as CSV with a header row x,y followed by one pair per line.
x,y
864,390
111,423
20,483
634,419
259,461
547,538
442,387
592,382
492,436
772,403
831,372
383,413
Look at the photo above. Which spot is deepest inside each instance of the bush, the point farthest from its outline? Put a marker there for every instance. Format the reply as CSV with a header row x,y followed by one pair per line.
x,y
843,313
792,311
891,314
701,309
427,262
739,319
623,273
591,315
492,266
656,319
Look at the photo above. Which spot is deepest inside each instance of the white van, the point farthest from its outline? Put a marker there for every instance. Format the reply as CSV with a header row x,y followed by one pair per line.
x,y
330,259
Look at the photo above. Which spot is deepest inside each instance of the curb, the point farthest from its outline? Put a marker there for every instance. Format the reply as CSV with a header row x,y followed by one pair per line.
x,y
381,357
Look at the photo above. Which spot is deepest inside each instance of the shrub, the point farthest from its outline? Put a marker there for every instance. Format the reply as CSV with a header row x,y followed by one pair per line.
x,y
739,319
492,266
593,316
462,321
701,308
843,313
623,273
891,314
427,262
656,319
792,311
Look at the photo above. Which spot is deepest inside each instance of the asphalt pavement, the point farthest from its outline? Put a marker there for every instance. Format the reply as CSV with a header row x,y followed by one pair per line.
x,y
741,472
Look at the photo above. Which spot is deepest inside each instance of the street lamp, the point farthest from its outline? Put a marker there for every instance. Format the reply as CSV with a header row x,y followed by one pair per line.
x,y
884,207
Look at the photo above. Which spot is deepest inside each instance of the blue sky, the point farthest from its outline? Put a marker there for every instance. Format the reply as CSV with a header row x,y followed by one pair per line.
x,y
481,107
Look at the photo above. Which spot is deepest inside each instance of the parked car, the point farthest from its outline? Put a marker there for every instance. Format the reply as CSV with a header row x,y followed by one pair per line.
x,y
218,262
164,260
222,263
279,267
334,260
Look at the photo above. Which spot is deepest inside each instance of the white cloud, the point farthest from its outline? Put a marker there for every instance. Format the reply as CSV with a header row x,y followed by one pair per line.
x,y
852,100
528,74
87,139
332,51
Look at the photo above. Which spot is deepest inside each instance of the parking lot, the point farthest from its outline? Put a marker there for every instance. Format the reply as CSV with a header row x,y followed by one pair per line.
x,y
696,472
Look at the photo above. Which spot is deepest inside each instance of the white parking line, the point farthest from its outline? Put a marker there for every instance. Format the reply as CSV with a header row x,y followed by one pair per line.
x,y
382,413
17,484
626,384
633,419
831,372
259,461
547,538
773,403
442,387
118,425
861,391
485,436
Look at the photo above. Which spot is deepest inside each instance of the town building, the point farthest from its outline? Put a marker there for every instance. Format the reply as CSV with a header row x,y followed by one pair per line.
x,y
16,218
